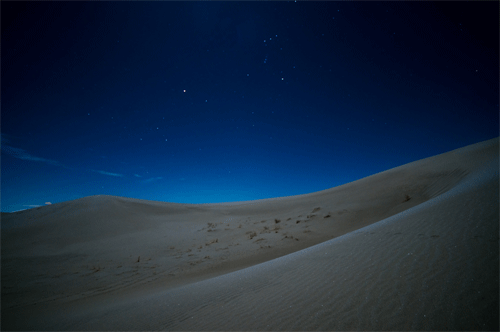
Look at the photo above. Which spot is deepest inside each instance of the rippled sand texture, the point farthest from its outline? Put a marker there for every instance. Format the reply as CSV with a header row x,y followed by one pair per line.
x,y
412,248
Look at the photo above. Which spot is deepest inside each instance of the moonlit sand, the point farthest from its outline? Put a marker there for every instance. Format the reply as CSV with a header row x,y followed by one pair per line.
x,y
411,248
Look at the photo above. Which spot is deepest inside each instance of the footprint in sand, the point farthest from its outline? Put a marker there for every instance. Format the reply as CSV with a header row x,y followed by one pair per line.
x,y
213,241
251,234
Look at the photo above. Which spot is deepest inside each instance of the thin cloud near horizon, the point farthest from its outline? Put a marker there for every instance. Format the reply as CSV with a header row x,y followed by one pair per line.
x,y
24,155
108,173
152,179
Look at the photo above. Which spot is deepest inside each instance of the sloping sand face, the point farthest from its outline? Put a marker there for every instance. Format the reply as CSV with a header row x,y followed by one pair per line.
x,y
412,248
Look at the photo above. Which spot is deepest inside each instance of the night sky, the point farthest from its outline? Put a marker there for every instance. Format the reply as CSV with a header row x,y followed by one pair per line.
x,y
206,102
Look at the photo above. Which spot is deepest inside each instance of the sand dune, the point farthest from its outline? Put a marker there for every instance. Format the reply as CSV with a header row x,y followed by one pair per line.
x,y
412,248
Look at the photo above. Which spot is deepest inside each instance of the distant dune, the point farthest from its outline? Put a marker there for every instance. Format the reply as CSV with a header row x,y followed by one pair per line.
x,y
412,248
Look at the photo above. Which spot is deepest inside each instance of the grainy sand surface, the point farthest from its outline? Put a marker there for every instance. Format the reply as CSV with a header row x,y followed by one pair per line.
x,y
412,248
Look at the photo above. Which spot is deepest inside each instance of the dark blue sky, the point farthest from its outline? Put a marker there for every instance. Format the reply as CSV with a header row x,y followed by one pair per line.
x,y
202,102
